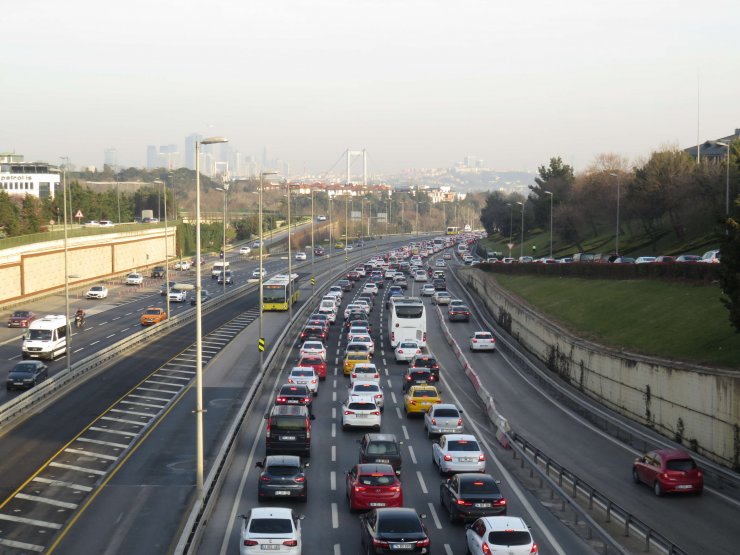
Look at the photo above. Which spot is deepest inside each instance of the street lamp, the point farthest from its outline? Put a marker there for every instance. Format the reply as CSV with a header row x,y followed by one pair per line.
x,y
166,249
416,225
225,191
521,247
66,269
727,186
616,246
551,196
262,243
289,288
346,230
199,324
313,253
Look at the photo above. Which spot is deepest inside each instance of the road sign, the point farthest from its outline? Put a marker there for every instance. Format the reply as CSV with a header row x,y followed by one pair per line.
x,y
313,281
79,214
510,245
261,344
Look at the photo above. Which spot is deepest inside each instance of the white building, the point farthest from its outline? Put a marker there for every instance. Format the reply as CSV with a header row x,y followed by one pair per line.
x,y
21,178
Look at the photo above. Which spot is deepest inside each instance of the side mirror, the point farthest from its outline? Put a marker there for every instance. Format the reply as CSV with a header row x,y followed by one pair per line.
x,y
423,515
312,417
460,411
306,465
259,464
266,416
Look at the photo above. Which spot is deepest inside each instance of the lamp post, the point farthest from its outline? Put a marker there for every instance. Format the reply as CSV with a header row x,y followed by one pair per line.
x,y
346,230
68,353
225,191
416,225
551,196
511,221
290,261
616,244
727,186
521,246
262,243
331,233
313,254
199,324
166,249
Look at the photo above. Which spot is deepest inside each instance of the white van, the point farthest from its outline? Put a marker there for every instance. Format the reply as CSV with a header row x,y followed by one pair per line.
x,y
217,268
46,338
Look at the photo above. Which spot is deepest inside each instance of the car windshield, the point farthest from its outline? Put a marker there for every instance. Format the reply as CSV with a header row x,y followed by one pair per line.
x,y
399,523
409,346
271,526
288,423
152,311
24,368
302,373
483,336
376,479
478,486
366,387
409,311
683,465
509,537
39,335
293,390
382,448
313,345
446,413
361,406
425,393
462,445
282,470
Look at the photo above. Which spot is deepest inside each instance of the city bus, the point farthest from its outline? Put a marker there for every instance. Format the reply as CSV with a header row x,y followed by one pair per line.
x,y
279,292
407,321
453,230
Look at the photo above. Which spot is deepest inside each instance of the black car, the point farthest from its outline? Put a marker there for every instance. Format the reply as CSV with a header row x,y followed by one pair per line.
x,y
158,272
318,251
360,317
282,476
459,313
471,495
416,376
294,394
288,430
394,530
229,277
314,333
426,361
381,448
317,322
439,284
27,374
204,296
319,316
345,284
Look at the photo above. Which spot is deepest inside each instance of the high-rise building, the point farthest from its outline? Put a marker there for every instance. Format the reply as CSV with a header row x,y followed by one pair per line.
x,y
110,158
190,141
152,157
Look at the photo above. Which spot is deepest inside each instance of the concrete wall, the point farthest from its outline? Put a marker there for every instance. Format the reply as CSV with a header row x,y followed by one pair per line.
x,y
37,269
698,404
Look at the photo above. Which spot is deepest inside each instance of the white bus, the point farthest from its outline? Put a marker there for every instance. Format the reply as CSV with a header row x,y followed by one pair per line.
x,y
46,338
407,321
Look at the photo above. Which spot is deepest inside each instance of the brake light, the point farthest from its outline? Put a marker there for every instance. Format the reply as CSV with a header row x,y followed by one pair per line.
x,y
290,543
380,543
533,551
348,412
249,543
481,457
500,502
375,413
459,421
464,503
400,351
408,378
280,400
308,429
448,458
313,381
290,380
434,421
486,549
475,341
267,431
307,399
300,479
423,543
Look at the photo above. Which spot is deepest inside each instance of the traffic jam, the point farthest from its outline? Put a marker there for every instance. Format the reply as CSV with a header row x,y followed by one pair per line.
x,y
362,357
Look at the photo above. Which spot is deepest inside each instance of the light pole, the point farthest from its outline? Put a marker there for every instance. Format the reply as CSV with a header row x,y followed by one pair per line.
x,y
199,324
262,243
68,354
416,225
331,233
727,186
521,246
551,195
616,246
290,261
313,254
225,191
511,222
346,230
166,249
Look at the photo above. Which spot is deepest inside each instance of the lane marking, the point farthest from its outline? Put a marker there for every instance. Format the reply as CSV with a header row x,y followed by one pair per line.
x,y
405,432
333,480
448,549
99,442
32,521
78,468
337,549
22,545
421,482
334,516
398,412
437,523
413,455
90,454
47,501
333,453
61,484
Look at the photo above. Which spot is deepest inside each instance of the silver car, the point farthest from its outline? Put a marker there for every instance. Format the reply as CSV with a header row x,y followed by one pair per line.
x,y
443,419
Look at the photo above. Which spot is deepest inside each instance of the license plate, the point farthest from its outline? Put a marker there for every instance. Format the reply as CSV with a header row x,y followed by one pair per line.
x,y
401,546
292,401
377,504
446,430
684,486
383,460
287,438
482,505
282,492
466,459
270,546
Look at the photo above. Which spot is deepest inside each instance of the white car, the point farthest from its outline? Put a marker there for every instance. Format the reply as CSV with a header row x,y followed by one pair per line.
x,y
427,290
245,250
106,223
331,313
301,256
305,375
336,291
365,339
364,372
500,534
178,295
645,259
482,341
256,273
407,350
440,263
97,292
182,265
134,279
370,388
360,411
458,453
390,274
361,271
271,530
441,297
420,276
364,304
312,348
370,288
356,331
443,418
350,307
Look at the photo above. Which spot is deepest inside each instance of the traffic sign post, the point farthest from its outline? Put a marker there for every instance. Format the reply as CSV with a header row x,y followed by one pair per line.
x,y
261,344
79,216
511,246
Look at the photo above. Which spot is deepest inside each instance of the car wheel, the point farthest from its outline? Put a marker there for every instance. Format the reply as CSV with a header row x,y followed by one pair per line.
x,y
657,489
635,476
345,427
453,517
429,434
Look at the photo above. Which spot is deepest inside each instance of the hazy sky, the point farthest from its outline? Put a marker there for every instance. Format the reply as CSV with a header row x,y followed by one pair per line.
x,y
419,84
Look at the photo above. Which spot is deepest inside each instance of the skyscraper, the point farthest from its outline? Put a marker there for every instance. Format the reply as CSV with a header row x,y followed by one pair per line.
x,y
190,141
110,158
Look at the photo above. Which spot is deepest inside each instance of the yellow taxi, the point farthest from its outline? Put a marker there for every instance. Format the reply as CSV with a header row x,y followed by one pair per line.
x,y
419,398
338,245
353,358
152,315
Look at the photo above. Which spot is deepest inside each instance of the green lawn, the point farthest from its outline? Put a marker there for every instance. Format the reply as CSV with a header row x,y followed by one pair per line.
x,y
680,321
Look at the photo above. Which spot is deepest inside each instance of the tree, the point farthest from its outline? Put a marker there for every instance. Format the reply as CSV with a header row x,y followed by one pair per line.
x,y
9,216
558,179
730,268
30,214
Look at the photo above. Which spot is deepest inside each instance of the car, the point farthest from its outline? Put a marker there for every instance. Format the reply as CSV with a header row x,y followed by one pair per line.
x,y
439,284
419,398
320,218
227,275
366,306
427,290
204,296
688,258
371,288
312,348
352,358
420,276
346,285
406,350
305,375
364,339
423,360
441,298
256,244
106,223
182,265
443,418
468,496
393,529
21,318
158,272
152,315
361,348
313,333
500,534
392,294
373,485
134,278
301,256
360,411
458,313
352,275
349,248
401,282
644,260
320,323
271,529
294,394
668,471
440,263
482,341
26,374
351,307
355,319
366,372
338,245
417,376
458,453
91,223
282,476
447,256
317,363
288,430
366,297
370,389
256,273
178,295
381,448
356,330
624,260
329,310
319,251
245,250
361,271
711,257
166,287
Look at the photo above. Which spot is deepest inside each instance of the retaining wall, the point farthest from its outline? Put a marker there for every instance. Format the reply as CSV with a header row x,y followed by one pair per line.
x,y
695,405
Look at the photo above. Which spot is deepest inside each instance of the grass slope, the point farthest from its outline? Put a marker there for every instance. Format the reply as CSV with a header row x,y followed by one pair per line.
x,y
671,320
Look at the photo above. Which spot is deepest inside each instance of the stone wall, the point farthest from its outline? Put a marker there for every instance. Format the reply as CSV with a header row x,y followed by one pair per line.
x,y
697,405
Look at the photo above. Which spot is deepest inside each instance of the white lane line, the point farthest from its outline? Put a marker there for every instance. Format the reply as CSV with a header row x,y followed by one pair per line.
x,y
15,357
90,454
116,318
413,455
78,350
333,430
47,501
107,431
385,369
334,516
94,343
333,480
78,468
123,421
334,384
448,549
158,390
334,396
337,549
150,398
334,413
32,521
393,397
437,523
99,442
398,412
128,314
421,482
61,484
22,545
102,324
124,329
405,432
333,453
109,336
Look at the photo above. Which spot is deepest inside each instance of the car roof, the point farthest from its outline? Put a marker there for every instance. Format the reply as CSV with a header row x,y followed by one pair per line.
x,y
673,453
381,437
460,437
506,523
284,460
445,406
271,512
375,468
289,410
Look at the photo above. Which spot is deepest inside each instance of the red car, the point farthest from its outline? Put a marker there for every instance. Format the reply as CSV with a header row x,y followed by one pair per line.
x,y
668,471
353,276
317,363
21,319
373,485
